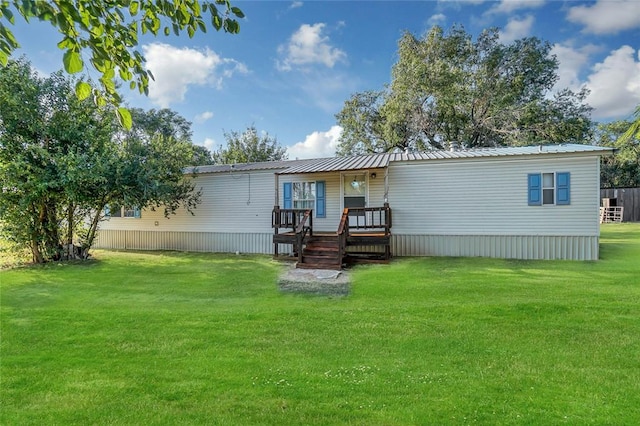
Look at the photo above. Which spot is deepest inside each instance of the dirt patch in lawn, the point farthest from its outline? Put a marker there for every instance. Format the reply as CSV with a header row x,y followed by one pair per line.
x,y
314,281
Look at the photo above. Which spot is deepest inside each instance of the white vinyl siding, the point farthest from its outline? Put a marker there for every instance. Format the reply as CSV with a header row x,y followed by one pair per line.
x,y
231,202
489,197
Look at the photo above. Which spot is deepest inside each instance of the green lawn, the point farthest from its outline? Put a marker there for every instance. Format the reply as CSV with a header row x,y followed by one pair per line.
x,y
183,338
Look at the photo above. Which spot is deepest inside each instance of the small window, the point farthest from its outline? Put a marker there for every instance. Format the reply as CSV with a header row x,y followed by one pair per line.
x,y
122,211
304,195
129,211
113,211
548,188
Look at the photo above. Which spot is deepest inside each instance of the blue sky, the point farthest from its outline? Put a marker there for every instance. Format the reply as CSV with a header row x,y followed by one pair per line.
x,y
293,64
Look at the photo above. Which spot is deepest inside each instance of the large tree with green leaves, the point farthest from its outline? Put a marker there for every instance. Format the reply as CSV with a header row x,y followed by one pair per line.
x,y
447,88
63,160
621,170
249,147
106,35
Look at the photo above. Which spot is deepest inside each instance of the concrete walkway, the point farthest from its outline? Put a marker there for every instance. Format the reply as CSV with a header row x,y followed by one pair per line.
x,y
314,281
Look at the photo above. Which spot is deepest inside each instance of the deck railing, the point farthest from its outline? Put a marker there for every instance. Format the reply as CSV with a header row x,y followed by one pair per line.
x,y
299,221
301,231
369,218
287,218
362,218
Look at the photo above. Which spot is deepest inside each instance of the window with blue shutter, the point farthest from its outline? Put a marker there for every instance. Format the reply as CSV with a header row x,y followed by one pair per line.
x,y
137,212
535,189
286,194
563,194
321,203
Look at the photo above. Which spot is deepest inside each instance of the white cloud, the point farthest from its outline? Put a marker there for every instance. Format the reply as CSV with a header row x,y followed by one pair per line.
x,y
437,19
295,4
210,144
202,117
607,17
571,62
516,29
308,46
510,6
175,70
615,84
317,145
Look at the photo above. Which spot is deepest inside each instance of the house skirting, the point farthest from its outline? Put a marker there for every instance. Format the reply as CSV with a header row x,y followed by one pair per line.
x,y
499,246
216,242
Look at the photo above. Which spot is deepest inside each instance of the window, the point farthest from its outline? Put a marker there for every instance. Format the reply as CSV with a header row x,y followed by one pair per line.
x,y
122,211
549,188
305,195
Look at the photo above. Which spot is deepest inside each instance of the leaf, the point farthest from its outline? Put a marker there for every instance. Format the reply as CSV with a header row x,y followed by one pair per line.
x,y
72,62
133,8
3,59
83,90
124,117
236,11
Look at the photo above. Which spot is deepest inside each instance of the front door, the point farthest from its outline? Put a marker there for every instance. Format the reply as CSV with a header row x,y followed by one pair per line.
x,y
355,189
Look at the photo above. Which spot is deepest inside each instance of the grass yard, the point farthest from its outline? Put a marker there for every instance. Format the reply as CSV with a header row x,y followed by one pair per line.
x,y
184,338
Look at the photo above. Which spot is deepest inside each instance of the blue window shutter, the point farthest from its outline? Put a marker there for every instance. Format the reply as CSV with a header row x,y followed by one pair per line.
x,y
107,211
137,212
535,189
321,201
286,194
563,193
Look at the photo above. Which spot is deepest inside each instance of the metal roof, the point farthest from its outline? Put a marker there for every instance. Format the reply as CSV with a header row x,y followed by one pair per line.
x,y
362,162
376,161
246,167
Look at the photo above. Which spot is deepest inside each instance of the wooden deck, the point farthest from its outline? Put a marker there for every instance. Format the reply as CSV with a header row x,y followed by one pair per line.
x,y
359,230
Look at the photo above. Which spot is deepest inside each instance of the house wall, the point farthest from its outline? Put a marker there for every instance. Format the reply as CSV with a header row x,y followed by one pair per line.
x,y
235,215
479,207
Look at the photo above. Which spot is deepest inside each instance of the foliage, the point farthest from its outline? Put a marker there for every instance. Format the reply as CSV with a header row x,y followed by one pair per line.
x,y
201,156
634,128
184,338
621,170
448,89
168,124
249,147
62,160
106,34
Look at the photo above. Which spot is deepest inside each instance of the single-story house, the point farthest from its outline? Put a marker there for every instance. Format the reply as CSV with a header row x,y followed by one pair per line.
x,y
534,202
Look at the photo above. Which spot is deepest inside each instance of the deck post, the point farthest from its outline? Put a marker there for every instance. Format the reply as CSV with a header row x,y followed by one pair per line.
x,y
276,180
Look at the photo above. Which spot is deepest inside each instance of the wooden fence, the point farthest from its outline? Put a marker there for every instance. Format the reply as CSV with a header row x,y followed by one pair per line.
x,y
629,198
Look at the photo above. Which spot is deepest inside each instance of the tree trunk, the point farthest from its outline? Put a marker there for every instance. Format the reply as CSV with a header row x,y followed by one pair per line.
x,y
69,241
35,252
91,235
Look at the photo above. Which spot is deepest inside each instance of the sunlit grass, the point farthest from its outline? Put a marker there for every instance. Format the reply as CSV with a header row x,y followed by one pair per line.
x,y
183,338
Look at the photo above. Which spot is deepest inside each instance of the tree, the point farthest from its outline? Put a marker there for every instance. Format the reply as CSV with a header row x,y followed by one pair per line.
x,y
249,147
168,124
634,128
201,156
63,160
106,33
621,170
449,89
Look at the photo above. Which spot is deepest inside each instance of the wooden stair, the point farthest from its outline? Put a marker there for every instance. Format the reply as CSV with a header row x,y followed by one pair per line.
x,y
321,252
